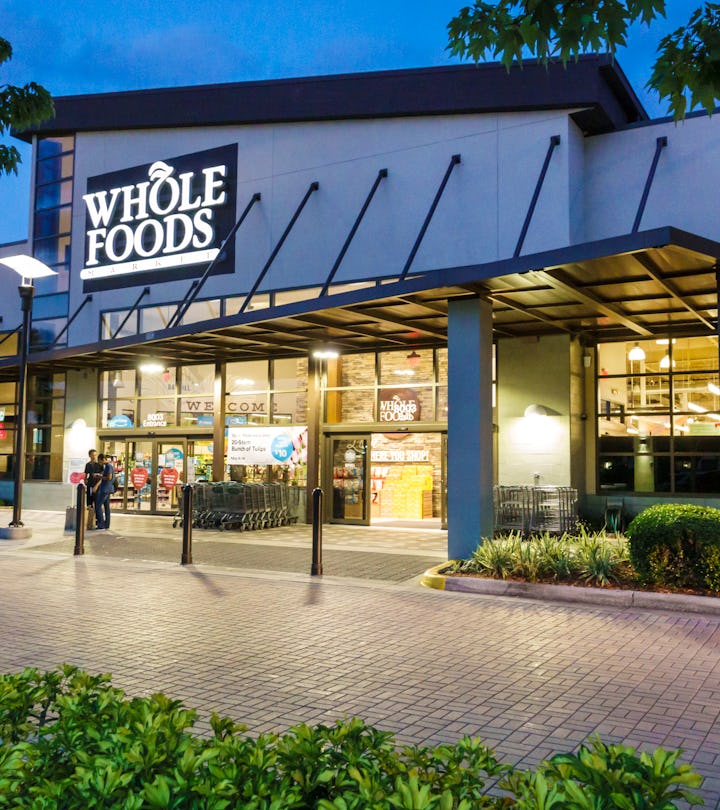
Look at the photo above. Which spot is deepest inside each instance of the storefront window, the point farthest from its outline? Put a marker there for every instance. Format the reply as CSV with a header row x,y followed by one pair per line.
x,y
45,416
659,400
54,169
407,367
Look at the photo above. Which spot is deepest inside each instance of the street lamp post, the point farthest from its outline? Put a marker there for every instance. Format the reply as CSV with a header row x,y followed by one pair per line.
x,y
28,269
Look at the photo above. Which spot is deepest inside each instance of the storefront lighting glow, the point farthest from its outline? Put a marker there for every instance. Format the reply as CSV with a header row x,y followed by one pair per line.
x,y
151,367
326,354
636,353
693,406
714,389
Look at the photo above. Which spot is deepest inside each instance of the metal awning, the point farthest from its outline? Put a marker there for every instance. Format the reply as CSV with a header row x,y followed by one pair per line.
x,y
656,282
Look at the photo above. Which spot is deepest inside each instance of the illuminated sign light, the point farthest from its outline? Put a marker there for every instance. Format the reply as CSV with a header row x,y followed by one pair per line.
x,y
168,215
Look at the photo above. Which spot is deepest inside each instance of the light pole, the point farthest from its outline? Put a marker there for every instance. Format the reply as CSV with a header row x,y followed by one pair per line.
x,y
28,269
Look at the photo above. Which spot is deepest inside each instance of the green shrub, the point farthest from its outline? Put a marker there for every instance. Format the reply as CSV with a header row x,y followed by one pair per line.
x,y
70,740
590,556
676,545
605,777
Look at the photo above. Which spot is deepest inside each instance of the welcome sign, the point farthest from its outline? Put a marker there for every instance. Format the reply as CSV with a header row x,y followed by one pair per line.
x,y
160,221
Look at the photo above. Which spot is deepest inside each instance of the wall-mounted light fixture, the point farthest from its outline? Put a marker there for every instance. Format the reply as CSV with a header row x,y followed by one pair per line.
x,y
413,359
117,380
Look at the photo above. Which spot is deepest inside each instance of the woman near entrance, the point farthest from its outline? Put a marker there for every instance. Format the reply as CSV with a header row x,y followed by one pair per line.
x,y
102,498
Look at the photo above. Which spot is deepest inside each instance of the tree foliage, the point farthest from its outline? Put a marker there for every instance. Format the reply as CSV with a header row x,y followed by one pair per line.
x,y
686,72
20,107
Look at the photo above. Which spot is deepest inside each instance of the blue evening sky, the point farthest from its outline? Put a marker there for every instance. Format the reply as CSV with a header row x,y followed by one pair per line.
x,y
74,47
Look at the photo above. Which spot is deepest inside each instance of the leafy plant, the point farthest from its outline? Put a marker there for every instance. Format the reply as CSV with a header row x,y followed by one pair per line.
x,y
672,544
69,739
605,777
496,557
599,558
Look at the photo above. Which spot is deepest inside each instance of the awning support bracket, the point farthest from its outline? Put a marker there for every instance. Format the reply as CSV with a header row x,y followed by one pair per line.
x,y
86,300
660,144
381,174
10,334
146,291
554,141
454,160
314,186
197,285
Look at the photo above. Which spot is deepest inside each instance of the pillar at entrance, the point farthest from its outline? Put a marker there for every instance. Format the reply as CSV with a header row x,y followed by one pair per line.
x,y
470,427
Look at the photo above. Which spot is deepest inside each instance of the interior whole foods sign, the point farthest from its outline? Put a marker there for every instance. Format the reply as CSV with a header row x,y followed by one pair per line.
x,y
170,215
399,405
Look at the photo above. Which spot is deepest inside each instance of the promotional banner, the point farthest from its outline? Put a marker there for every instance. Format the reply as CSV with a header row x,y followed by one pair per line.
x,y
267,445
159,221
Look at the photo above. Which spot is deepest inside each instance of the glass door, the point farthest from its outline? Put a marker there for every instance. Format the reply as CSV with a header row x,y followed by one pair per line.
x,y
350,484
148,473
170,457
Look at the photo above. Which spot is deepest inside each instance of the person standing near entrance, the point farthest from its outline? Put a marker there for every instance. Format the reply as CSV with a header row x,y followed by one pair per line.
x,y
93,473
105,490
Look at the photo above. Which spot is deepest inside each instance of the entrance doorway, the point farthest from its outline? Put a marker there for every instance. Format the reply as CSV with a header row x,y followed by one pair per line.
x,y
387,479
350,483
149,471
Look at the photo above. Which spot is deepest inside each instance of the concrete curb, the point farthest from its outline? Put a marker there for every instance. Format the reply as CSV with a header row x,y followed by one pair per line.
x,y
650,600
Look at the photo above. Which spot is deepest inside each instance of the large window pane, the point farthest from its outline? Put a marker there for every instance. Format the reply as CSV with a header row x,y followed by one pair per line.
x,y
406,367
158,384
290,374
54,168
50,147
53,222
54,195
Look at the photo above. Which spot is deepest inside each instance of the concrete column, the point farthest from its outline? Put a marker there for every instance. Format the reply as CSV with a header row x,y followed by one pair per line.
x,y
470,425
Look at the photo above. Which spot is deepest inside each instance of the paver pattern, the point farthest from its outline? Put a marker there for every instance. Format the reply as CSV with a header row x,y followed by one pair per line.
x,y
271,650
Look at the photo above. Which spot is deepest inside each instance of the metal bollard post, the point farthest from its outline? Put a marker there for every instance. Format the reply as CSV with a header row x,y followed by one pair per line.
x,y
80,518
187,492
316,567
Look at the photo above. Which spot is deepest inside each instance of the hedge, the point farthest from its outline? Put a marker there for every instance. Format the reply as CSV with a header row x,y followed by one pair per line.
x,y
676,545
71,740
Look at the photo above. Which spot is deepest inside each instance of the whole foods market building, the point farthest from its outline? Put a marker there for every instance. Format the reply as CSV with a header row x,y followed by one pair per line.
x,y
421,283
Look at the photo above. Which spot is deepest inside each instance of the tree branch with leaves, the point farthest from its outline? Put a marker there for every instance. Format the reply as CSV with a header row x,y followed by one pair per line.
x,y
686,72
20,108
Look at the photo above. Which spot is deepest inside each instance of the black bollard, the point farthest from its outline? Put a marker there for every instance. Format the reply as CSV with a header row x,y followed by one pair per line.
x,y
187,492
316,567
80,518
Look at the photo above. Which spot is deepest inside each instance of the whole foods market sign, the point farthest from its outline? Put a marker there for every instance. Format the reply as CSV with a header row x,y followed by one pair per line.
x,y
399,405
170,215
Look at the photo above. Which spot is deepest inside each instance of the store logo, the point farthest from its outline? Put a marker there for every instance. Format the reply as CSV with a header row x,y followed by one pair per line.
x,y
400,405
144,221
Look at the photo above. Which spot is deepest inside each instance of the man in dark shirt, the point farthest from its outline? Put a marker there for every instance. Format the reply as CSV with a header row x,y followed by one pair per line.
x,y
93,474
105,490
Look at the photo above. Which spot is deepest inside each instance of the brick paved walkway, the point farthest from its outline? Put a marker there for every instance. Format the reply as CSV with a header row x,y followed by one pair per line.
x,y
274,649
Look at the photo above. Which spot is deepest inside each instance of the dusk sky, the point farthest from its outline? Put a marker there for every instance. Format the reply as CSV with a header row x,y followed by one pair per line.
x,y
73,47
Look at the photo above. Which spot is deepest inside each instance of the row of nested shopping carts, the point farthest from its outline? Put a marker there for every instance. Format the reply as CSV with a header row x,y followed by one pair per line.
x,y
240,506
529,509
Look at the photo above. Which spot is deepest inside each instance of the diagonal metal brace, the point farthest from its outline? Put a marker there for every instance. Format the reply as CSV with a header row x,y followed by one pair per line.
x,y
314,186
660,144
554,141
10,334
86,300
196,286
133,308
454,160
381,174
